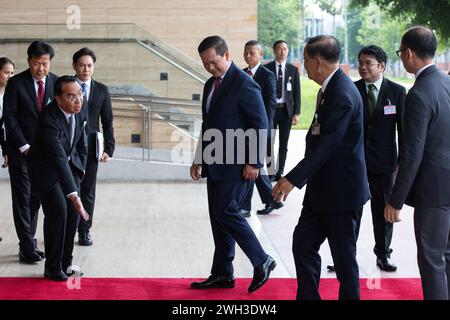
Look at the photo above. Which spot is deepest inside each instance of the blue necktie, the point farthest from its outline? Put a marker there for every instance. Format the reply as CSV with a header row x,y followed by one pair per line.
x,y
83,87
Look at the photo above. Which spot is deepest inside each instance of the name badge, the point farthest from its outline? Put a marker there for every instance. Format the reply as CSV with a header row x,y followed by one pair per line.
x,y
315,127
289,85
390,110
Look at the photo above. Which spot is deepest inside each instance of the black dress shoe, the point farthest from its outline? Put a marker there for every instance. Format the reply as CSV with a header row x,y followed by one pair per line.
x,y
386,264
40,253
331,268
261,274
55,275
245,213
78,273
29,258
214,281
84,238
270,207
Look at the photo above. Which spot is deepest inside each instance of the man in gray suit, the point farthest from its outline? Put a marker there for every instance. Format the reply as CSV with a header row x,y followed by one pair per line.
x,y
423,179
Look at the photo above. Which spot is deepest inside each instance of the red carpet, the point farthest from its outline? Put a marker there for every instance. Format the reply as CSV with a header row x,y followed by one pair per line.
x,y
178,289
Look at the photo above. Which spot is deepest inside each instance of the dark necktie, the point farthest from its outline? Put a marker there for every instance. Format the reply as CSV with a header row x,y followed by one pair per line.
x,y
71,125
216,84
319,98
40,95
279,82
249,72
372,101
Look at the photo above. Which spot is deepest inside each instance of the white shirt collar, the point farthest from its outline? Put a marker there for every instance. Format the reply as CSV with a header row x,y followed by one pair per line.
x,y
327,80
376,83
88,83
255,68
283,65
66,114
36,80
421,70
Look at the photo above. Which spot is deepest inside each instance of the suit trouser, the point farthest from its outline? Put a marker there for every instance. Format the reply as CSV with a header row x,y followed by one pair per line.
x,y
283,122
380,188
229,227
432,231
25,202
264,187
88,186
60,225
311,231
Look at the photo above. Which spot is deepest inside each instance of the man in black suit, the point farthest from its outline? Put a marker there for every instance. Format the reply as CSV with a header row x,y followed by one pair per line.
x,y
383,109
423,178
97,106
232,107
266,81
334,170
287,111
57,161
26,95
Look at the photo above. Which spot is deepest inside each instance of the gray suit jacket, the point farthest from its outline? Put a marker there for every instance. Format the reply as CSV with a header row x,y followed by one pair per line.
x,y
423,179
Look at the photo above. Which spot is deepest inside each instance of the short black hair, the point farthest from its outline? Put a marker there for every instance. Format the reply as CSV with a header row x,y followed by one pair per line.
x,y
325,46
57,88
421,40
215,42
39,48
278,42
83,52
375,51
4,61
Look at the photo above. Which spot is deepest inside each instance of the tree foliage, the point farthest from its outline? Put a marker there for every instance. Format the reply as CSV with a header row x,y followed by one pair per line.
x,y
431,13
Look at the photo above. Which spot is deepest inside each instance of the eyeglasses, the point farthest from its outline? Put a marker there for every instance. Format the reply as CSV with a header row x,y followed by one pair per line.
x,y
73,97
400,50
368,64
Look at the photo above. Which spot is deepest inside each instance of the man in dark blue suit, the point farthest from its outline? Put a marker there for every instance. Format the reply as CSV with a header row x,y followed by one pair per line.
x,y
335,173
423,179
266,81
232,107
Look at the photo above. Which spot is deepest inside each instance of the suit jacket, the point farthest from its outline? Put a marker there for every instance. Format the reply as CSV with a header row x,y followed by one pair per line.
x,y
423,179
380,142
99,109
292,97
236,104
48,158
334,167
267,82
21,108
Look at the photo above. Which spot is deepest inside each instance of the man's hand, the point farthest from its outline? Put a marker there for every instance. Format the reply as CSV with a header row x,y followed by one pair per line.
x,y
76,201
391,214
282,189
196,172
295,119
250,172
5,162
105,157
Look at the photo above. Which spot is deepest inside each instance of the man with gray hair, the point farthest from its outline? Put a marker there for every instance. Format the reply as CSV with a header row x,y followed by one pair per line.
x,y
334,170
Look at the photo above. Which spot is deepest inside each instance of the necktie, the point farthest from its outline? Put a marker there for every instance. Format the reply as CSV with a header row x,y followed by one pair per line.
x,y
279,82
40,95
217,84
319,98
71,125
83,88
250,73
372,101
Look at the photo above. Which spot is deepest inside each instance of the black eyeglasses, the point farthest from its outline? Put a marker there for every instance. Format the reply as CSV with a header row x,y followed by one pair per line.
x,y
400,50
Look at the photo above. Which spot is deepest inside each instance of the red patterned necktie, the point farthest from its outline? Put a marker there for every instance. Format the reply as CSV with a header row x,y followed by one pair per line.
x,y
250,73
40,95
217,84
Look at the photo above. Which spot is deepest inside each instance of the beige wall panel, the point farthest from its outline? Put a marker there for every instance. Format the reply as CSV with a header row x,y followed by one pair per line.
x,y
102,4
199,4
23,16
34,4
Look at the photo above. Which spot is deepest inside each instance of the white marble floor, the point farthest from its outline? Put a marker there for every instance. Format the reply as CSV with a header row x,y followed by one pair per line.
x,y
160,229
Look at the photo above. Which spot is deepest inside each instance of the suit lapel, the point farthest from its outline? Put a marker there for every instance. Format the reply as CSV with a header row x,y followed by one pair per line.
x,y
91,95
222,87
48,85
29,83
63,122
